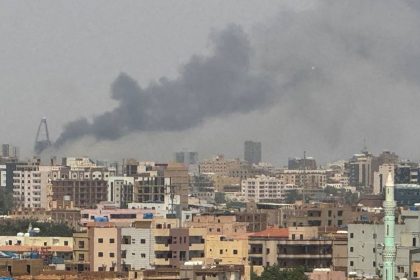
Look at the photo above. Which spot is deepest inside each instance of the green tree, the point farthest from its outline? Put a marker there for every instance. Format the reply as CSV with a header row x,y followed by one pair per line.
x,y
276,273
292,196
12,227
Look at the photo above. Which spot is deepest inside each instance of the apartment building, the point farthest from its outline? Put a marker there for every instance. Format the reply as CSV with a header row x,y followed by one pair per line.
x,y
171,243
180,181
31,186
303,178
110,211
219,165
265,188
120,190
104,247
137,246
298,246
81,258
365,246
321,215
221,249
218,224
85,186
255,221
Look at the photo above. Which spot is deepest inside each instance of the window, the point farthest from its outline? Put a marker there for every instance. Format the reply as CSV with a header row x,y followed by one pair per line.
x,y
221,252
81,257
66,243
100,254
340,213
143,241
400,269
374,264
81,244
235,252
351,249
415,274
374,249
329,213
351,263
301,237
267,251
351,235
414,242
111,255
100,240
112,240
143,256
293,237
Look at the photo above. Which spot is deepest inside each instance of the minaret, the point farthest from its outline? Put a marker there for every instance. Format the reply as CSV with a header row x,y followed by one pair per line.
x,y
389,235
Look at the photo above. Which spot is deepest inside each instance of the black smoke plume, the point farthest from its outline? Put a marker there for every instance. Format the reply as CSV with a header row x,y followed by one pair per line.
x,y
213,86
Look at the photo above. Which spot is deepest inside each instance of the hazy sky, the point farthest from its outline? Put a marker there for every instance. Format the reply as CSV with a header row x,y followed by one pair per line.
x,y
337,73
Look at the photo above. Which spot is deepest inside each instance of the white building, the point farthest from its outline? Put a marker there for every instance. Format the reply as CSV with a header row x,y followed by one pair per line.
x,y
2,176
379,177
30,186
265,188
137,246
120,190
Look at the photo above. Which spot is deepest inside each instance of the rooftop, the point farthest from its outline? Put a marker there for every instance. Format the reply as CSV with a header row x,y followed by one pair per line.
x,y
272,232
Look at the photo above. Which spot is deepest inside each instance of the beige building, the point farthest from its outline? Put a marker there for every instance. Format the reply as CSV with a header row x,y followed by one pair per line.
x,y
180,180
219,165
221,249
81,256
31,186
223,183
218,224
265,188
104,247
299,246
300,178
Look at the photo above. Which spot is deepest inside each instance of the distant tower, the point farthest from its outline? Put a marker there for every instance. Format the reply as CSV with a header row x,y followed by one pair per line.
x,y
389,252
42,140
252,152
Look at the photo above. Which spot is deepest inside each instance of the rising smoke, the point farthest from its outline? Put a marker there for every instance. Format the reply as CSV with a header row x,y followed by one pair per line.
x,y
337,71
207,87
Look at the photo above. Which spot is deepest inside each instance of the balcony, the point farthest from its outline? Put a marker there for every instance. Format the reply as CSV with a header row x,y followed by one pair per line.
x,y
196,247
161,262
161,247
161,232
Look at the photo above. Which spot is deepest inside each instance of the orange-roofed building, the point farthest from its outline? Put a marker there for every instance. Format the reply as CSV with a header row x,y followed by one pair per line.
x,y
272,232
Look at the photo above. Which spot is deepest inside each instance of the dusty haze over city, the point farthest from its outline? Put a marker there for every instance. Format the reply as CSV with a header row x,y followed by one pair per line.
x,y
146,78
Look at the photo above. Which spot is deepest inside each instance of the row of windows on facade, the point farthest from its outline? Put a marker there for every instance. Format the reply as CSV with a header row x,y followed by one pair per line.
x,y
112,240
111,255
235,252
400,268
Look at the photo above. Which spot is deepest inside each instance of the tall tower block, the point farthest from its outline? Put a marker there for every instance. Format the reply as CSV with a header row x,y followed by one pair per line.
x,y
42,140
389,252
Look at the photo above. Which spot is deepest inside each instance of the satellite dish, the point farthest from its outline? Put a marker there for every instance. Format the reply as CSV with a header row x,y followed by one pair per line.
x,y
36,230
